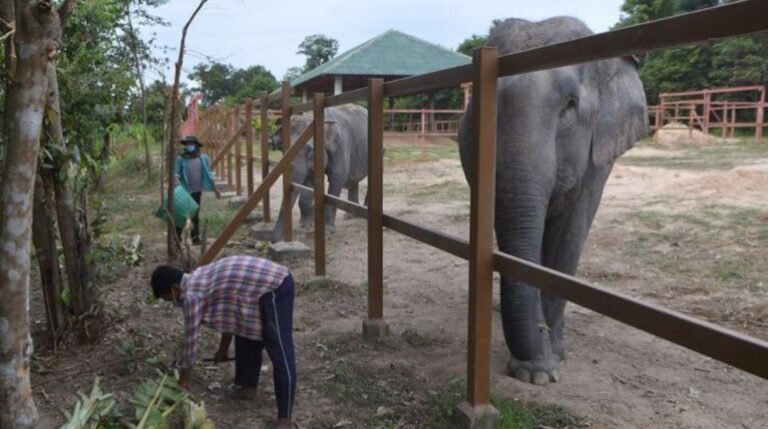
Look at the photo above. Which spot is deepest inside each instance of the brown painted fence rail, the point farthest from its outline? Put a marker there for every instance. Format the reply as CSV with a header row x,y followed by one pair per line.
x,y
741,351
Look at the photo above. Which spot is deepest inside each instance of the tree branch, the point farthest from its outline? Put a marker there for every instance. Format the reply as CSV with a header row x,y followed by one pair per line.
x,y
65,10
173,244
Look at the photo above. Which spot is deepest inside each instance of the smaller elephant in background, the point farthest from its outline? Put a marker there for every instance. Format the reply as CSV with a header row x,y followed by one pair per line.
x,y
346,161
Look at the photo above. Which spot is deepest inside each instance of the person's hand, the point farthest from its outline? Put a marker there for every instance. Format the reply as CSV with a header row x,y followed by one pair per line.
x,y
184,378
221,355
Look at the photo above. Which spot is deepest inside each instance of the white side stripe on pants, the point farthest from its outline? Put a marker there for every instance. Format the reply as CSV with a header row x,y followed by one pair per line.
x,y
285,359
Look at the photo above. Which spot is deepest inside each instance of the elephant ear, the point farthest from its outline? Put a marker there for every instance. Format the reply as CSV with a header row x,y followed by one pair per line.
x,y
622,117
331,136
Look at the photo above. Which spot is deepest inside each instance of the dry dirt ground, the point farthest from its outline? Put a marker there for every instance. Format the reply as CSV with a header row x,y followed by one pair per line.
x,y
683,227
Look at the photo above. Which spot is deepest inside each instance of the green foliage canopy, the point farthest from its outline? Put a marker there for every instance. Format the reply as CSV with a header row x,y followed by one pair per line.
x,y
731,62
318,49
220,82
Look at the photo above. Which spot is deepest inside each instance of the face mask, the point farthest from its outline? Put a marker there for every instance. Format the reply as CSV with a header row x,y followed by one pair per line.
x,y
190,148
178,301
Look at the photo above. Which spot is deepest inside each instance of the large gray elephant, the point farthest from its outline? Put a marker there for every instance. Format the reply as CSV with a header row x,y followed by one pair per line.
x,y
559,132
346,155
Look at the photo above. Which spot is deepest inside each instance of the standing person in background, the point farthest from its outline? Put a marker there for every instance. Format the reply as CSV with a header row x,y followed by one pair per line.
x,y
193,172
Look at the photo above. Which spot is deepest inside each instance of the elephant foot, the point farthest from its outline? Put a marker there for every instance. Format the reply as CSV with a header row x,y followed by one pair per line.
x,y
330,229
538,371
559,347
307,223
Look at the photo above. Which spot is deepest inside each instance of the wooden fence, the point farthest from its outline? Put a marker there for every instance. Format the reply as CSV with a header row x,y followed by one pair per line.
x,y
741,351
422,122
698,109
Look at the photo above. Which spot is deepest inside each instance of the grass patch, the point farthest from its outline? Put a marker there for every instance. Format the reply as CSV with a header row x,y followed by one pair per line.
x,y
691,157
440,404
444,191
417,339
408,154
722,244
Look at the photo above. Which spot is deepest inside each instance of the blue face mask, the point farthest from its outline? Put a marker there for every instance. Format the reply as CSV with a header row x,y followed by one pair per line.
x,y
190,148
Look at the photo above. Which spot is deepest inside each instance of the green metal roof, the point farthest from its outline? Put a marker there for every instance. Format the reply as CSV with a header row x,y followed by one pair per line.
x,y
390,54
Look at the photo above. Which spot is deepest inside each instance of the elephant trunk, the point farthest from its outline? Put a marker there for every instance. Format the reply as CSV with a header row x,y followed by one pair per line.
x,y
525,179
519,230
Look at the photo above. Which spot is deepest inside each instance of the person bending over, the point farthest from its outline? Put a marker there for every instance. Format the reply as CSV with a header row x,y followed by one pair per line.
x,y
246,297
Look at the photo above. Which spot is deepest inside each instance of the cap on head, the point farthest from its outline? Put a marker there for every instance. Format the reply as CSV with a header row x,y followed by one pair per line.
x,y
191,139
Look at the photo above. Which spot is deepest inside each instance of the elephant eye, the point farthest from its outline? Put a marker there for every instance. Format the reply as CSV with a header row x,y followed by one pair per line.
x,y
572,104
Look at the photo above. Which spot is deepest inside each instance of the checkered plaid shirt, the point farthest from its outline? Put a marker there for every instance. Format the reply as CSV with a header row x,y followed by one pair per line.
x,y
225,296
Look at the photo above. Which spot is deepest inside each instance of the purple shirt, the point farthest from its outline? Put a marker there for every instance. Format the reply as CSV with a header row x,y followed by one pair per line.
x,y
225,296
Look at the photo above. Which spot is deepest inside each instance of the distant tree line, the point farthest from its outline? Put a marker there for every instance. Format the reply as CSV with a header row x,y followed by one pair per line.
x,y
736,61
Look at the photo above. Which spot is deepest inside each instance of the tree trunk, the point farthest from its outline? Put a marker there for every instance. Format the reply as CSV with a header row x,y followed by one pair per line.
x,y
173,242
74,236
142,91
37,37
44,239
106,150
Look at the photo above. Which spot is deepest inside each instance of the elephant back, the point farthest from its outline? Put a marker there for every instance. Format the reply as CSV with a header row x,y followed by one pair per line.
x,y
515,35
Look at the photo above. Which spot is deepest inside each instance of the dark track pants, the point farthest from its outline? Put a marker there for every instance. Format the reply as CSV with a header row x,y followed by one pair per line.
x,y
277,334
195,220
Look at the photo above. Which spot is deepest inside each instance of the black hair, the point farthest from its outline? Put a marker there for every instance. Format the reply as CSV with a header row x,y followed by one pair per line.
x,y
163,278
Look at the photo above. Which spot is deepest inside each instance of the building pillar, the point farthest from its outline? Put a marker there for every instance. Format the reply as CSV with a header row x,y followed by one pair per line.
x,y
304,96
467,87
338,85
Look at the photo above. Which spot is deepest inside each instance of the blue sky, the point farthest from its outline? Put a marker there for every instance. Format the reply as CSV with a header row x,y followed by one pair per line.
x,y
268,32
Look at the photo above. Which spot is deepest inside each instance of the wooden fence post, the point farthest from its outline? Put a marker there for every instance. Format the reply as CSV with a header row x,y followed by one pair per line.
x,y
286,134
264,137
707,110
477,411
375,327
228,152
690,120
249,145
319,183
238,153
760,118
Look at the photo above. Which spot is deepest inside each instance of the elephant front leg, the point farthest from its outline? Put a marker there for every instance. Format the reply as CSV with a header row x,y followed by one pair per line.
x,y
353,195
278,233
334,188
307,206
564,238
532,359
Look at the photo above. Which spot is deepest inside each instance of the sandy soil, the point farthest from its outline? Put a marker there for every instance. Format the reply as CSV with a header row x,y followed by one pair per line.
x,y
615,376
